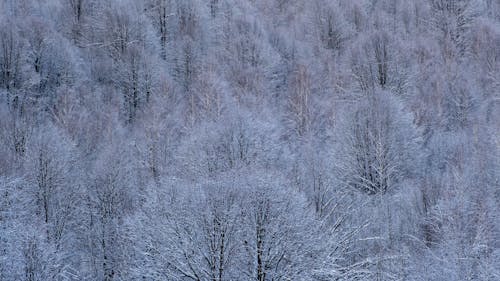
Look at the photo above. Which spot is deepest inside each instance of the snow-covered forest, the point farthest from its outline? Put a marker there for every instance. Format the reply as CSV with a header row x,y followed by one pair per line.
x,y
213,140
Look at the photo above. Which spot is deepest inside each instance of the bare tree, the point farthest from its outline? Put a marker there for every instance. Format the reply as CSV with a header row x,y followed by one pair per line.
x,y
160,12
300,103
453,19
10,57
379,150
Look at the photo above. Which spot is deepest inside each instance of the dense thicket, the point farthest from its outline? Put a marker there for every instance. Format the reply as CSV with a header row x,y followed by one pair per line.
x,y
249,140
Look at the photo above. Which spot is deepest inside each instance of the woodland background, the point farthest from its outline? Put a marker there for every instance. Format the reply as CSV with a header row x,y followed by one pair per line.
x,y
249,140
